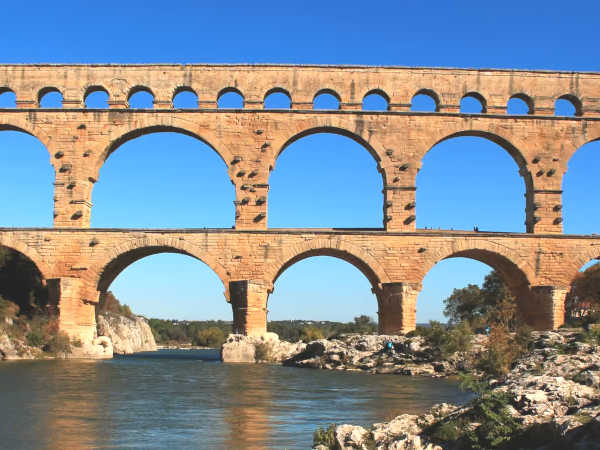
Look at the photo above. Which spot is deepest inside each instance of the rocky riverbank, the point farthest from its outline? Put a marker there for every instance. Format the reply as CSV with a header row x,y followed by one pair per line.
x,y
368,353
116,334
550,399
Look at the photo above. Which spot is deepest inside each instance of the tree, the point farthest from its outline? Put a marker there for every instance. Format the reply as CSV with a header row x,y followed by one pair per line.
x,y
212,337
584,298
492,303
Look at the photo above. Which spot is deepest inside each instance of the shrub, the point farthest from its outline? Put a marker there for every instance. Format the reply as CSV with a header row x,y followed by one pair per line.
x,y
499,354
309,334
35,338
59,343
591,337
76,343
443,341
325,436
262,352
497,427
212,337
8,308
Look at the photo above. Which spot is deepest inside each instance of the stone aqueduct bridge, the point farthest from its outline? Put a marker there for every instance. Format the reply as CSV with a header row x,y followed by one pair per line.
x,y
78,262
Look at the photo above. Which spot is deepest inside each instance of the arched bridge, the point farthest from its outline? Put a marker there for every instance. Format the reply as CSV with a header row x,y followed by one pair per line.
x,y
79,262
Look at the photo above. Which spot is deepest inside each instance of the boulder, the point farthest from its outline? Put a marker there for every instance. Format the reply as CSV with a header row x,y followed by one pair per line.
x,y
243,349
100,348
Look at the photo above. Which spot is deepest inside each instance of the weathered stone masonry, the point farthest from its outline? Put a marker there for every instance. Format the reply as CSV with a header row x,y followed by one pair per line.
x,y
79,262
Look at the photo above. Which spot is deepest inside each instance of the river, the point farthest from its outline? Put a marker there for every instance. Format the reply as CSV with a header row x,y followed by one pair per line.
x,y
188,399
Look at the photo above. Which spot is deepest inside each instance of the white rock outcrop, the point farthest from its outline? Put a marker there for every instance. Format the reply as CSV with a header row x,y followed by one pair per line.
x,y
267,347
128,334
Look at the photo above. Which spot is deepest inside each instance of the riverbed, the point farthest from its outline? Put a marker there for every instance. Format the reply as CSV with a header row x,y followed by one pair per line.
x,y
188,399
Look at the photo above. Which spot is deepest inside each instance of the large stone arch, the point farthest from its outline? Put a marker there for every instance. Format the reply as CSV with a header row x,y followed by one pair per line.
x,y
518,274
580,135
157,123
361,134
506,260
117,258
507,144
31,253
518,156
25,126
350,253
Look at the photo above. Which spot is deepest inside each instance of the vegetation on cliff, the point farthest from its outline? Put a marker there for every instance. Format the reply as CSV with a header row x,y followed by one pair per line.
x,y
27,318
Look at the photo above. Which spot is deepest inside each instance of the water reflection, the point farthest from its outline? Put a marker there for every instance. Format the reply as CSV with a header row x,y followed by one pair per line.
x,y
247,411
72,406
161,401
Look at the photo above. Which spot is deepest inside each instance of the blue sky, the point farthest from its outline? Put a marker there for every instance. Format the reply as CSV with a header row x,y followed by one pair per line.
x,y
534,35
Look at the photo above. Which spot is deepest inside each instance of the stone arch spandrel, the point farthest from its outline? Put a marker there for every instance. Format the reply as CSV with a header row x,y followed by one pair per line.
x,y
115,259
31,253
337,248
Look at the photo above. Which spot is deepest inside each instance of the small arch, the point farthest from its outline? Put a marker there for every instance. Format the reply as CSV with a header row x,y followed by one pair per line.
x,y
140,97
568,105
50,97
425,100
277,98
8,99
520,104
376,100
230,98
473,103
96,97
185,97
326,99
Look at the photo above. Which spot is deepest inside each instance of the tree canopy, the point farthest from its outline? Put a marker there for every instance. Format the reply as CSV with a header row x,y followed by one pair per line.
x,y
490,304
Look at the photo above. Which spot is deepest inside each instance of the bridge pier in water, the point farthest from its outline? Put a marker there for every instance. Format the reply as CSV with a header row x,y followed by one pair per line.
x,y
248,302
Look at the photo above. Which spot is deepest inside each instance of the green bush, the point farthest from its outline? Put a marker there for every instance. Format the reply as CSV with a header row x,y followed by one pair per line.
x,y
309,334
503,350
497,427
325,436
58,344
8,308
262,352
36,338
591,337
443,341
212,337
